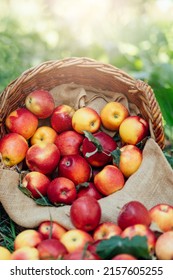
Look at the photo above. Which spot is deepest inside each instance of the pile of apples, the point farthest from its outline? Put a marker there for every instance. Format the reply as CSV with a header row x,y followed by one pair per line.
x,y
51,241
67,153
71,157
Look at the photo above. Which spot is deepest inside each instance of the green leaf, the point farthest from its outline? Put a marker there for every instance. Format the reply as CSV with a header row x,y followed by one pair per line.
x,y
82,185
43,201
136,246
116,156
142,143
94,140
25,191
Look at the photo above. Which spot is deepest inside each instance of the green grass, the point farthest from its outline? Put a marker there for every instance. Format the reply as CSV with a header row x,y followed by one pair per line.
x,y
8,230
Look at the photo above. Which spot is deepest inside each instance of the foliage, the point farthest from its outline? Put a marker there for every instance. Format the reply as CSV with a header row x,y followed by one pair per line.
x,y
140,43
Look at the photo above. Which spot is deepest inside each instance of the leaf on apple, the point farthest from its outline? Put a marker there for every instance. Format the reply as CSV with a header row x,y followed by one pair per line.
x,y
136,246
117,137
25,191
43,201
142,143
95,141
116,156
82,185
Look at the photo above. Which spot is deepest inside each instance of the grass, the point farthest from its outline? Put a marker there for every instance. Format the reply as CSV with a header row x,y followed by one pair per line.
x,y
8,230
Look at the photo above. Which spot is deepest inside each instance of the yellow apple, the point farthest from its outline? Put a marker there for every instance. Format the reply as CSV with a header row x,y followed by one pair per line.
x,y
25,253
75,239
86,118
27,238
44,134
112,115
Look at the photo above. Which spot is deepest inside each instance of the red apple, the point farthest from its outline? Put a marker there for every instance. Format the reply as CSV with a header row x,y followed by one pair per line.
x,y
61,190
133,129
41,103
88,189
51,249
98,154
106,230
37,183
22,121
75,168
162,215
76,239
43,157
13,148
92,247
133,212
69,142
51,229
164,246
124,257
141,230
81,255
61,118
109,180
85,213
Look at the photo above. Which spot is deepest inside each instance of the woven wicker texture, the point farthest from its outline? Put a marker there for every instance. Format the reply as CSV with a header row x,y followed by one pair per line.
x,y
86,72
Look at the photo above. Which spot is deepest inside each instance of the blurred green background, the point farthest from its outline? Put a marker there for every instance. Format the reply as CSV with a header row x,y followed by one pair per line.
x,y
134,35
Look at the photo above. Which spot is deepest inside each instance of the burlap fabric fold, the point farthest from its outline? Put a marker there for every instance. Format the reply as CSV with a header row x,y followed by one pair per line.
x,y
151,184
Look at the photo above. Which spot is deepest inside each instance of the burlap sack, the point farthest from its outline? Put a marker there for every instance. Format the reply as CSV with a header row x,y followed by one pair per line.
x,y
151,184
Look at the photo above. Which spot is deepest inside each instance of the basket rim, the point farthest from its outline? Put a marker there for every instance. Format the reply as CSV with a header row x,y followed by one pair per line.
x,y
137,88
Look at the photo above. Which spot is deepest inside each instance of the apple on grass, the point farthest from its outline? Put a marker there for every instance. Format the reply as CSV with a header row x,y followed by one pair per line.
x,y
124,257
162,216
106,230
61,118
5,254
27,238
85,213
51,229
86,118
112,115
41,103
164,246
133,130
69,143
141,230
13,148
43,158
133,212
51,249
109,180
97,148
25,253
76,239
22,121
75,168
37,183
61,190
81,255
43,134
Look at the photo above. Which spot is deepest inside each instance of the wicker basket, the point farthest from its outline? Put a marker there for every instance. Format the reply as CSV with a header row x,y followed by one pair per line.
x,y
86,72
